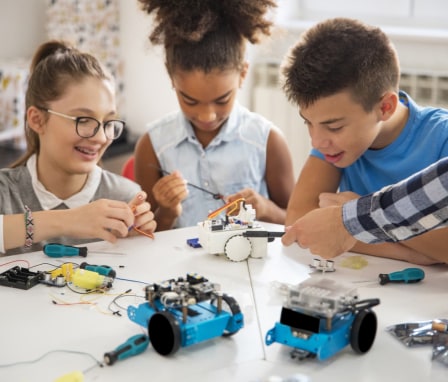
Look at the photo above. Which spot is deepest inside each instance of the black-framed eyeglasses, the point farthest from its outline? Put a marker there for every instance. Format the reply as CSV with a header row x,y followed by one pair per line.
x,y
87,127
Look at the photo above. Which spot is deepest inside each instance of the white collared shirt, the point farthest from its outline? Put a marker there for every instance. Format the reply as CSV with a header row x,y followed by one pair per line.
x,y
49,201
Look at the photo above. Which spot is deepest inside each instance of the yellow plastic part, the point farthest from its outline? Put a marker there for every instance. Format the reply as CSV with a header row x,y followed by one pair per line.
x,y
74,376
354,262
86,279
229,207
65,270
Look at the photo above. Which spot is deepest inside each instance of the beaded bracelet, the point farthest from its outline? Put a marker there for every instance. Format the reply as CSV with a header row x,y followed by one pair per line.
x,y
29,228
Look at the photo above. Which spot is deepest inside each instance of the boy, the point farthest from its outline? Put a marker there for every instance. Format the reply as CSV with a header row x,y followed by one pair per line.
x,y
365,133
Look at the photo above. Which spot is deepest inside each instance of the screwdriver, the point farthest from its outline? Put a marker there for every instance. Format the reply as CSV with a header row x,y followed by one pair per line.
x,y
134,345
408,275
62,250
104,270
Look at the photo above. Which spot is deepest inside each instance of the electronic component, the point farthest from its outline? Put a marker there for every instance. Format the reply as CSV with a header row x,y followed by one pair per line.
x,y
321,317
185,311
83,278
194,242
323,265
237,236
21,278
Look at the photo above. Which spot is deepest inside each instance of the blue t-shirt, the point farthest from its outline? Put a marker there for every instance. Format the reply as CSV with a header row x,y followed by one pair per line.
x,y
423,141
233,160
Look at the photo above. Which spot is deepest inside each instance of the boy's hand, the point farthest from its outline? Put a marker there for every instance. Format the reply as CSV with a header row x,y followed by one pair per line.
x,y
328,199
144,217
170,191
322,231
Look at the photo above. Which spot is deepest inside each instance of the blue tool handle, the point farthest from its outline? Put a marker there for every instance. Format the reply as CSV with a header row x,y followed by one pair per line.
x,y
134,345
61,250
408,275
104,270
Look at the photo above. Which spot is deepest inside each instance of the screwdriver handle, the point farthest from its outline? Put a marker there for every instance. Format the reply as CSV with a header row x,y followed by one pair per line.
x,y
408,275
61,250
104,270
268,234
134,345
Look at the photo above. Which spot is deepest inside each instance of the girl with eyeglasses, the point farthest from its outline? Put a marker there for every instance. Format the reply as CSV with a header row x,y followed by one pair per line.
x,y
212,141
57,192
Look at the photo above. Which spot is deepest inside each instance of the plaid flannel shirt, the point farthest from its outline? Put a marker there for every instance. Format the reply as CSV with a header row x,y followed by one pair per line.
x,y
401,211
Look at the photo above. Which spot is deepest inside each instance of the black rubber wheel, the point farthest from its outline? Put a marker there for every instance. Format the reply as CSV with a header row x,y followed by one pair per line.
x,y
229,305
363,331
164,333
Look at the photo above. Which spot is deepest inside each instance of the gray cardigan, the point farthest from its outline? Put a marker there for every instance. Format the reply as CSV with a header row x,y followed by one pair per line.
x,y
16,191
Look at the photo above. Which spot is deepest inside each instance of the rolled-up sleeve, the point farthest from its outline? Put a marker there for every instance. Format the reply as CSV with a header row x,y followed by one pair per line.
x,y
399,212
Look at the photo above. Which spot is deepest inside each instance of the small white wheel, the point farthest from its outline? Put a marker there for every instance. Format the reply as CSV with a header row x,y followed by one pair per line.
x,y
238,248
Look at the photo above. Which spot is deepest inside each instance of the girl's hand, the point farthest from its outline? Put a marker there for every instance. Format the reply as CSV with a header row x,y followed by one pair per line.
x,y
102,219
170,191
258,202
143,216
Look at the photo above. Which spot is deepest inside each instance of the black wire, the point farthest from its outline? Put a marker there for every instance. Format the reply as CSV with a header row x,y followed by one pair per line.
x,y
122,295
54,266
216,196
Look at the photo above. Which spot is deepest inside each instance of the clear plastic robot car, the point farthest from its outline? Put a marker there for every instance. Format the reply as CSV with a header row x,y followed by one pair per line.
x,y
184,311
237,236
321,317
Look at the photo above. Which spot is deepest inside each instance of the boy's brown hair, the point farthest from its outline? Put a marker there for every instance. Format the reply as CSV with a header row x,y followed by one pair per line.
x,y
341,54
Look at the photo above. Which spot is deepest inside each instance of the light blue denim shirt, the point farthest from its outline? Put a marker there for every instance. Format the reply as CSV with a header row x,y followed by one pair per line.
x,y
234,159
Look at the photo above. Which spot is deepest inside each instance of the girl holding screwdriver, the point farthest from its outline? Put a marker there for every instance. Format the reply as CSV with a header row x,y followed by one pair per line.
x,y
212,148
57,191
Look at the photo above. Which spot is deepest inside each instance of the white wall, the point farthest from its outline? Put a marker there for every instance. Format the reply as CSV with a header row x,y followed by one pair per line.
x,y
148,93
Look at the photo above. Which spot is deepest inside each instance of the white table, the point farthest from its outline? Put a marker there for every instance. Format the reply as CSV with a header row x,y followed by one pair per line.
x,y
31,325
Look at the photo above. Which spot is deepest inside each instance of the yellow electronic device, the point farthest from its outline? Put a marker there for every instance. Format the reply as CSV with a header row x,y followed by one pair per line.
x,y
86,279
74,376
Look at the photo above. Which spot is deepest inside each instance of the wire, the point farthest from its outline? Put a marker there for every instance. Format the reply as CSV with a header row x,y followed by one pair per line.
x,y
141,232
114,302
16,261
215,195
97,363
55,266
130,280
233,204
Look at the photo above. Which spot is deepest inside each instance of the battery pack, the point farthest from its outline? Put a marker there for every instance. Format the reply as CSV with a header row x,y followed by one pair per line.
x,y
20,278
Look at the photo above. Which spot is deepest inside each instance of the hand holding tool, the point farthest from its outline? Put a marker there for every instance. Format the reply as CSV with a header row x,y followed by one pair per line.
x,y
408,275
134,345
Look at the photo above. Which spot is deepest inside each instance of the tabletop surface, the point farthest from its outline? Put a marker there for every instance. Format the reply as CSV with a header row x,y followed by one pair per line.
x,y
42,341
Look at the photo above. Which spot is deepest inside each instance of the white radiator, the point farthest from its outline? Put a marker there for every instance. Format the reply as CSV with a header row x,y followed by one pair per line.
x,y
426,88
270,101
